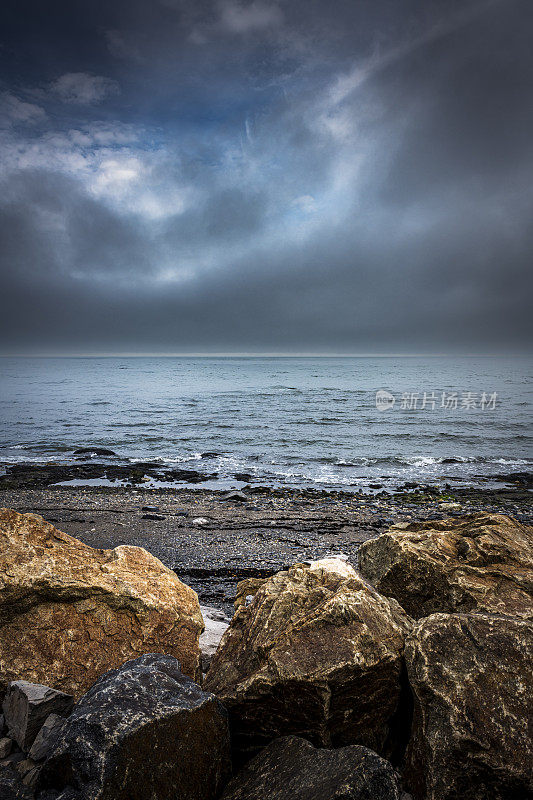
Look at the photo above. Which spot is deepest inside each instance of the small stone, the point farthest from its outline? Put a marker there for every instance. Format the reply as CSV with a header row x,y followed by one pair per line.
x,y
200,521
26,707
5,747
216,624
153,516
25,766
31,777
449,506
236,496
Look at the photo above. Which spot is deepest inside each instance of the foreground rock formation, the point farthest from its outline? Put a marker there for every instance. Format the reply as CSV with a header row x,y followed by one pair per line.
x,y
69,612
472,679
290,768
144,731
317,652
475,563
27,706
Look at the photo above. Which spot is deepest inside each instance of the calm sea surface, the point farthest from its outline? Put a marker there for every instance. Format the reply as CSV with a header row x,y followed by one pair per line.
x,y
286,421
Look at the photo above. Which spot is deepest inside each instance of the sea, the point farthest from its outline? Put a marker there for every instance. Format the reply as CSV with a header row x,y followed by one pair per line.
x,y
343,423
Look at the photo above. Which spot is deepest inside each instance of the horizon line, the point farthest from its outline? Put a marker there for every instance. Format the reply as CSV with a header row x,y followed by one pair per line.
x,y
273,354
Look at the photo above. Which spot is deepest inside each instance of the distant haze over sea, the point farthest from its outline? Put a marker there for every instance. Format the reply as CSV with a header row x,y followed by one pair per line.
x,y
284,421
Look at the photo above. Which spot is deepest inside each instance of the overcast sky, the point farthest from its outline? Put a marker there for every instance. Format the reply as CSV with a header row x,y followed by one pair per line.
x,y
299,175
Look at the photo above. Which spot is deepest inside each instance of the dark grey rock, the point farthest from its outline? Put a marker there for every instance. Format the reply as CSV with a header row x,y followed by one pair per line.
x,y
5,747
42,741
235,496
25,766
32,776
12,759
27,705
141,731
290,768
12,787
96,451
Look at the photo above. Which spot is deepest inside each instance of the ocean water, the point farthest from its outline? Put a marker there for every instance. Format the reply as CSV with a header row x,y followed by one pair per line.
x,y
286,421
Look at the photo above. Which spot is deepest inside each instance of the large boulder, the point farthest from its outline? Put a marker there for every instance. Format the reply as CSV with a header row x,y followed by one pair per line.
x,y
290,768
142,731
482,562
472,680
318,653
69,612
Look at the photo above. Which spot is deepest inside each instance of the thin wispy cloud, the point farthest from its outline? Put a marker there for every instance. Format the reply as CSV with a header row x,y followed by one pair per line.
x,y
83,89
344,85
15,110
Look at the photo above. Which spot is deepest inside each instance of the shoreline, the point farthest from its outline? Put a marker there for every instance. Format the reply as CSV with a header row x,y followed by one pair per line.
x,y
212,541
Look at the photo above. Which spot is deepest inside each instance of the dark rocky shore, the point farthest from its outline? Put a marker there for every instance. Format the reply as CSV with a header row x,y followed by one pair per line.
x,y
404,675
213,539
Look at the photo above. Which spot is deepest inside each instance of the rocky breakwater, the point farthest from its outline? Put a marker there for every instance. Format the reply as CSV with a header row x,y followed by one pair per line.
x,y
470,667
144,731
472,680
482,562
316,670
69,612
316,652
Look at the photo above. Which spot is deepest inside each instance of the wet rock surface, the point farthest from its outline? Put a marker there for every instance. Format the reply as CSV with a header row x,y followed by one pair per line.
x,y
481,562
471,676
290,768
20,476
316,653
142,731
115,604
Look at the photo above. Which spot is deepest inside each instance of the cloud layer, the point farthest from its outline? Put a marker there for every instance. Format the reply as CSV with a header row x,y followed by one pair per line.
x,y
258,176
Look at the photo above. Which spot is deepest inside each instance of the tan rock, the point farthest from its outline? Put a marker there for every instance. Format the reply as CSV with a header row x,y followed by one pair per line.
x,y
69,612
472,681
316,653
247,589
475,563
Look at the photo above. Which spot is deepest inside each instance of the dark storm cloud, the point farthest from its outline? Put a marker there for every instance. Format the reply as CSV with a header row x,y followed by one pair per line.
x,y
266,175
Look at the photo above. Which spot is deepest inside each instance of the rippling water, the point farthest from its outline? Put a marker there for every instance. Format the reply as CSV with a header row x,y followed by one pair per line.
x,y
285,421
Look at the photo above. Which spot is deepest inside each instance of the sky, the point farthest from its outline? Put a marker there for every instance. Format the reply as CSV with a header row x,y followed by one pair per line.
x,y
333,176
